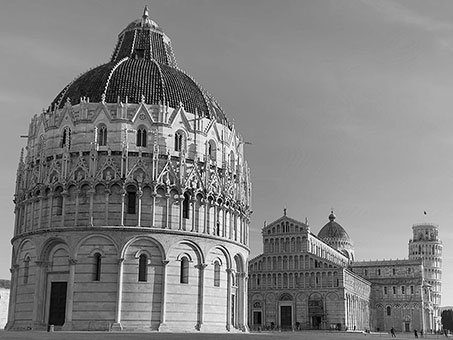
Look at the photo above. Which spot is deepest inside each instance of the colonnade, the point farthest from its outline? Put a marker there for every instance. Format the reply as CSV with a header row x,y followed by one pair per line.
x,y
207,216
357,314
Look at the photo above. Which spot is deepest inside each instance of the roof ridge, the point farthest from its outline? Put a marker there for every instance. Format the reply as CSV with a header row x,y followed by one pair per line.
x,y
107,83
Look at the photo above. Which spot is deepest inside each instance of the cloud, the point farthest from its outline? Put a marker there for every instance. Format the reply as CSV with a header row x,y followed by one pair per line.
x,y
399,13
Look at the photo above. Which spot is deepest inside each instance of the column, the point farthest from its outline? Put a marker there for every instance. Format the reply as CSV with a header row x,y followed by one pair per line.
x,y
41,197
193,203
70,296
107,198
216,216
224,226
168,211
422,315
64,195
244,301
241,226
32,213
77,203
180,200
241,301
12,297
39,296
228,318
119,296
153,207
201,267
91,192
16,220
25,216
206,206
346,308
49,216
139,196
123,196
163,302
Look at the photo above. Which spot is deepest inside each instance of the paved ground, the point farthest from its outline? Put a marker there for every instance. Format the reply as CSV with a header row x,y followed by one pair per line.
x,y
201,336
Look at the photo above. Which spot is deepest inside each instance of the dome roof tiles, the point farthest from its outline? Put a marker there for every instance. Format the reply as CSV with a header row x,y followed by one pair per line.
x,y
142,64
334,232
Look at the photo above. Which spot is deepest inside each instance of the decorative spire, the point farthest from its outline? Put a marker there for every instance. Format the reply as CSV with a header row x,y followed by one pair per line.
x,y
146,21
145,16
284,211
332,216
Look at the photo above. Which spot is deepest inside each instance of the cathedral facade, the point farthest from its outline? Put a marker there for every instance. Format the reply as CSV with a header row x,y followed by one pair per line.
x,y
132,202
308,281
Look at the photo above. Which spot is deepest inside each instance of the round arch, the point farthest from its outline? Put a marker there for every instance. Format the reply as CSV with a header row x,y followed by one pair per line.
x,y
84,239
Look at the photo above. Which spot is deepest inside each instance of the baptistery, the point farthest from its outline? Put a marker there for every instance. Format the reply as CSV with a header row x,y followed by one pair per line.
x,y
132,201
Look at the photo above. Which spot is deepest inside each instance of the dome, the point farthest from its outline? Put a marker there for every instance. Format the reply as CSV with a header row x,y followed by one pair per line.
x,y
332,231
134,161
335,235
142,69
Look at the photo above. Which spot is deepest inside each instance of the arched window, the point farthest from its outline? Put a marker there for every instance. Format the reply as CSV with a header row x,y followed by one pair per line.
x,y
59,201
26,269
232,162
184,272
212,149
389,311
217,228
131,200
97,267
186,206
66,138
216,274
143,268
179,141
41,144
141,137
102,135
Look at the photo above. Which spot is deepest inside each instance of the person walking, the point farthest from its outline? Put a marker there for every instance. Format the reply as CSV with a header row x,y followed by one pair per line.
x,y
415,333
392,331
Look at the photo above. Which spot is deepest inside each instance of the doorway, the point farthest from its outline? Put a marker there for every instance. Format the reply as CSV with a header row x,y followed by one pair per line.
x,y
286,317
57,308
316,321
407,327
257,318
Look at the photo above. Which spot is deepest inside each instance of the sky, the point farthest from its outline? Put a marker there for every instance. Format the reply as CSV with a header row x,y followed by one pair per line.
x,y
348,104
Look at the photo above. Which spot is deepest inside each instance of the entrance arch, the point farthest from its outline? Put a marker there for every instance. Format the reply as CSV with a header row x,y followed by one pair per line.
x,y
286,311
316,311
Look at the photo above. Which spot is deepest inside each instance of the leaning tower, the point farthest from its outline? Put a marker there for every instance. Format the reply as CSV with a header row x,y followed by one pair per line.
x,y
426,245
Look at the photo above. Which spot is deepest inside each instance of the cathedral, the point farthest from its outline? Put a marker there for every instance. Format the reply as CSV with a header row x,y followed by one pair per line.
x,y
308,281
132,202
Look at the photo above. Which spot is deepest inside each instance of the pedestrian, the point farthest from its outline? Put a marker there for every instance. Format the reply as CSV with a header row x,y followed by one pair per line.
x,y
421,333
445,332
392,331
415,333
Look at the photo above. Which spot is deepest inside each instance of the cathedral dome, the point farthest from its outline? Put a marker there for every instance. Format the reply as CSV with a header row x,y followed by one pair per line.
x,y
332,231
142,69
336,236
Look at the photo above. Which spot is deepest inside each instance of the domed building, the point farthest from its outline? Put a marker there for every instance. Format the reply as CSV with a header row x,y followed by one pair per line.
x,y
132,202
334,235
304,281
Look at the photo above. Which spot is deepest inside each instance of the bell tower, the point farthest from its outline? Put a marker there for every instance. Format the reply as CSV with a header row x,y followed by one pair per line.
x,y
426,245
